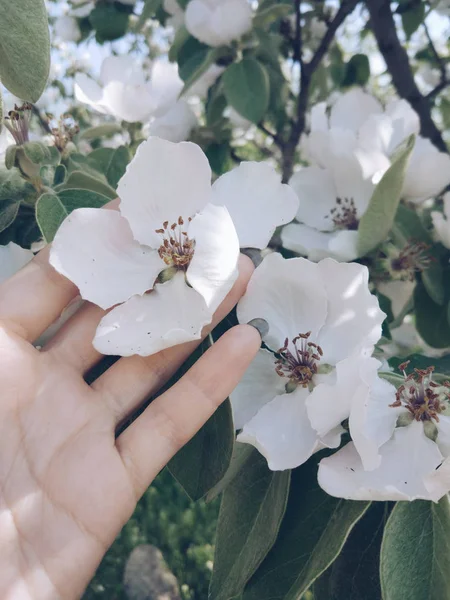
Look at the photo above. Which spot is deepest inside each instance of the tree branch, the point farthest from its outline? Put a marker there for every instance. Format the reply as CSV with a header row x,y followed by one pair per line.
x,y
307,71
383,26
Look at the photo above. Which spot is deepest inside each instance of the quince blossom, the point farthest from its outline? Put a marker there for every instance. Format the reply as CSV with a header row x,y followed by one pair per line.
x,y
66,29
218,22
175,227
414,461
12,259
127,92
323,324
349,152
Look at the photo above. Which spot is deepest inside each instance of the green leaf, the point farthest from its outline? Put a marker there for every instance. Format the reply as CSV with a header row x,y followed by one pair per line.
x,y
60,175
52,209
197,65
8,213
313,531
247,88
431,319
377,221
100,159
413,17
13,186
24,47
79,180
182,37
149,11
117,166
415,554
355,574
100,131
241,454
251,511
110,21
357,71
265,17
50,213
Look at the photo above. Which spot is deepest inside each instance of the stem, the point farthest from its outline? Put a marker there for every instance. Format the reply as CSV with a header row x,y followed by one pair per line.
x,y
383,27
307,71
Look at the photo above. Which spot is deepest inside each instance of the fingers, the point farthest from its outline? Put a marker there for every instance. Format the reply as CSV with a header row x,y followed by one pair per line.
x,y
173,419
34,298
133,379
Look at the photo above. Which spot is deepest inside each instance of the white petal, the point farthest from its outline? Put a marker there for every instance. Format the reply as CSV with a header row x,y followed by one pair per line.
x,y
317,194
404,119
308,241
163,182
437,482
217,23
343,245
66,29
354,317
121,68
84,10
281,431
176,124
319,119
131,103
408,459
399,293
259,385
443,438
95,249
428,172
201,87
213,269
165,86
372,418
377,133
441,227
89,92
289,295
257,201
353,108
12,259
173,313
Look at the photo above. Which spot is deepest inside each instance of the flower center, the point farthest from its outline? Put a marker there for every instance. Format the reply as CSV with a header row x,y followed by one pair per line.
x,y
299,366
18,122
412,259
62,130
344,214
176,249
420,395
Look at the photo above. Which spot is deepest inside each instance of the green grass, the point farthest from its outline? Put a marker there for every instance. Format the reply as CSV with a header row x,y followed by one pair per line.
x,y
181,529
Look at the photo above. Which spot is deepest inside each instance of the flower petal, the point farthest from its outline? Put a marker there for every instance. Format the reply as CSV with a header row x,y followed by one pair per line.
x,y
163,182
121,68
176,124
353,108
398,292
343,246
443,438
281,431
259,386
428,172
408,460
89,92
217,23
213,269
128,102
307,241
173,313
165,86
95,249
12,259
317,194
354,317
257,201
289,295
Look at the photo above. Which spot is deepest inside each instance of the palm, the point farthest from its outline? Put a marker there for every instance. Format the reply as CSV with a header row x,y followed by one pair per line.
x,y
54,429
67,485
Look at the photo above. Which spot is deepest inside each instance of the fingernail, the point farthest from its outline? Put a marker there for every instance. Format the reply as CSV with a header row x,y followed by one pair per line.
x,y
254,255
261,326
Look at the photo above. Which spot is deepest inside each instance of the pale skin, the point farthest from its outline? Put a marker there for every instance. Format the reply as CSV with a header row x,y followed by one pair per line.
x,y
67,484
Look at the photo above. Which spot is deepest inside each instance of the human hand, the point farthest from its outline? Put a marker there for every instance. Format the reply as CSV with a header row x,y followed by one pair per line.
x,y
67,486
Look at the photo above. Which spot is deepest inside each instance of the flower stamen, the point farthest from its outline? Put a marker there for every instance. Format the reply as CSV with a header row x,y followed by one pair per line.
x,y
299,366
420,395
18,122
413,258
344,214
177,249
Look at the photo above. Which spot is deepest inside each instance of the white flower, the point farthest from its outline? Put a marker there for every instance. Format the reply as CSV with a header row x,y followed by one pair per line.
x,y
170,217
66,29
408,465
12,259
176,124
350,150
176,13
218,22
323,323
204,82
82,8
125,91
441,222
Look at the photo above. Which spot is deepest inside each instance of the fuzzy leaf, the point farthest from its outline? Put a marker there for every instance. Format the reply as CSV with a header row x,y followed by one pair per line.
x,y
415,554
251,511
378,219
8,213
24,47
